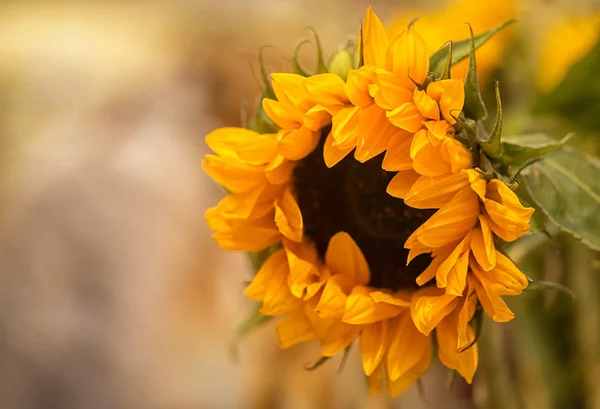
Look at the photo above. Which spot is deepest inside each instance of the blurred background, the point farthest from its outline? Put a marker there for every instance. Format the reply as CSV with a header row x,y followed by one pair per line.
x,y
112,292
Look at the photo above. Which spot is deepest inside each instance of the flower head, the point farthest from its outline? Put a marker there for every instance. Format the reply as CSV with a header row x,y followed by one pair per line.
x,y
384,246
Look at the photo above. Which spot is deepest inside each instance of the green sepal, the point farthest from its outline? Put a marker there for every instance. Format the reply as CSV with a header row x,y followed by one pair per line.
x,y
565,186
317,364
461,50
259,122
520,151
536,285
296,66
474,107
264,82
321,67
492,146
446,75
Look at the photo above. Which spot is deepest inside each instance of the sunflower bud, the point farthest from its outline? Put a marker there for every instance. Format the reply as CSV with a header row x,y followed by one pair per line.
x,y
343,60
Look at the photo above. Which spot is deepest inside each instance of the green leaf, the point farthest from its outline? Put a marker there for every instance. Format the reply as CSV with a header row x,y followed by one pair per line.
x,y
575,98
565,185
522,150
461,50
492,146
474,107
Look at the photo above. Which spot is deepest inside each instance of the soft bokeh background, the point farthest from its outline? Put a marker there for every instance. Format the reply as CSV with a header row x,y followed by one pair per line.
x,y
112,293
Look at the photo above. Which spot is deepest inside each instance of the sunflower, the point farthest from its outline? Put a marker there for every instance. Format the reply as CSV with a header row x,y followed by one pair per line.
x,y
383,246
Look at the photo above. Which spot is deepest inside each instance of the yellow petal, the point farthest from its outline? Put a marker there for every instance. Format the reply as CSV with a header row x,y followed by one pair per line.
x,y
247,238
234,175
326,90
357,86
278,299
509,218
408,57
430,305
316,118
409,378
407,348
257,289
376,381
361,309
258,150
344,128
292,329
456,155
333,154
251,205
401,183
491,301
375,40
304,269
332,303
392,90
373,343
399,299
344,257
397,156
428,160
438,131
406,117
450,223
426,105
224,141
505,278
457,278
374,133
291,93
465,363
332,333
509,199
450,262
296,144
482,245
434,192
279,170
340,336
429,273
466,313
278,114
288,217
450,95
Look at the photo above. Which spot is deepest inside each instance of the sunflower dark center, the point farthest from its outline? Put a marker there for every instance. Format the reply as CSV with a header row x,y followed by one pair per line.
x,y
351,197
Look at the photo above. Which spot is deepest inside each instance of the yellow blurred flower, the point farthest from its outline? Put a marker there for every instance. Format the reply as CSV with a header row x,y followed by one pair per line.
x,y
562,45
444,24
